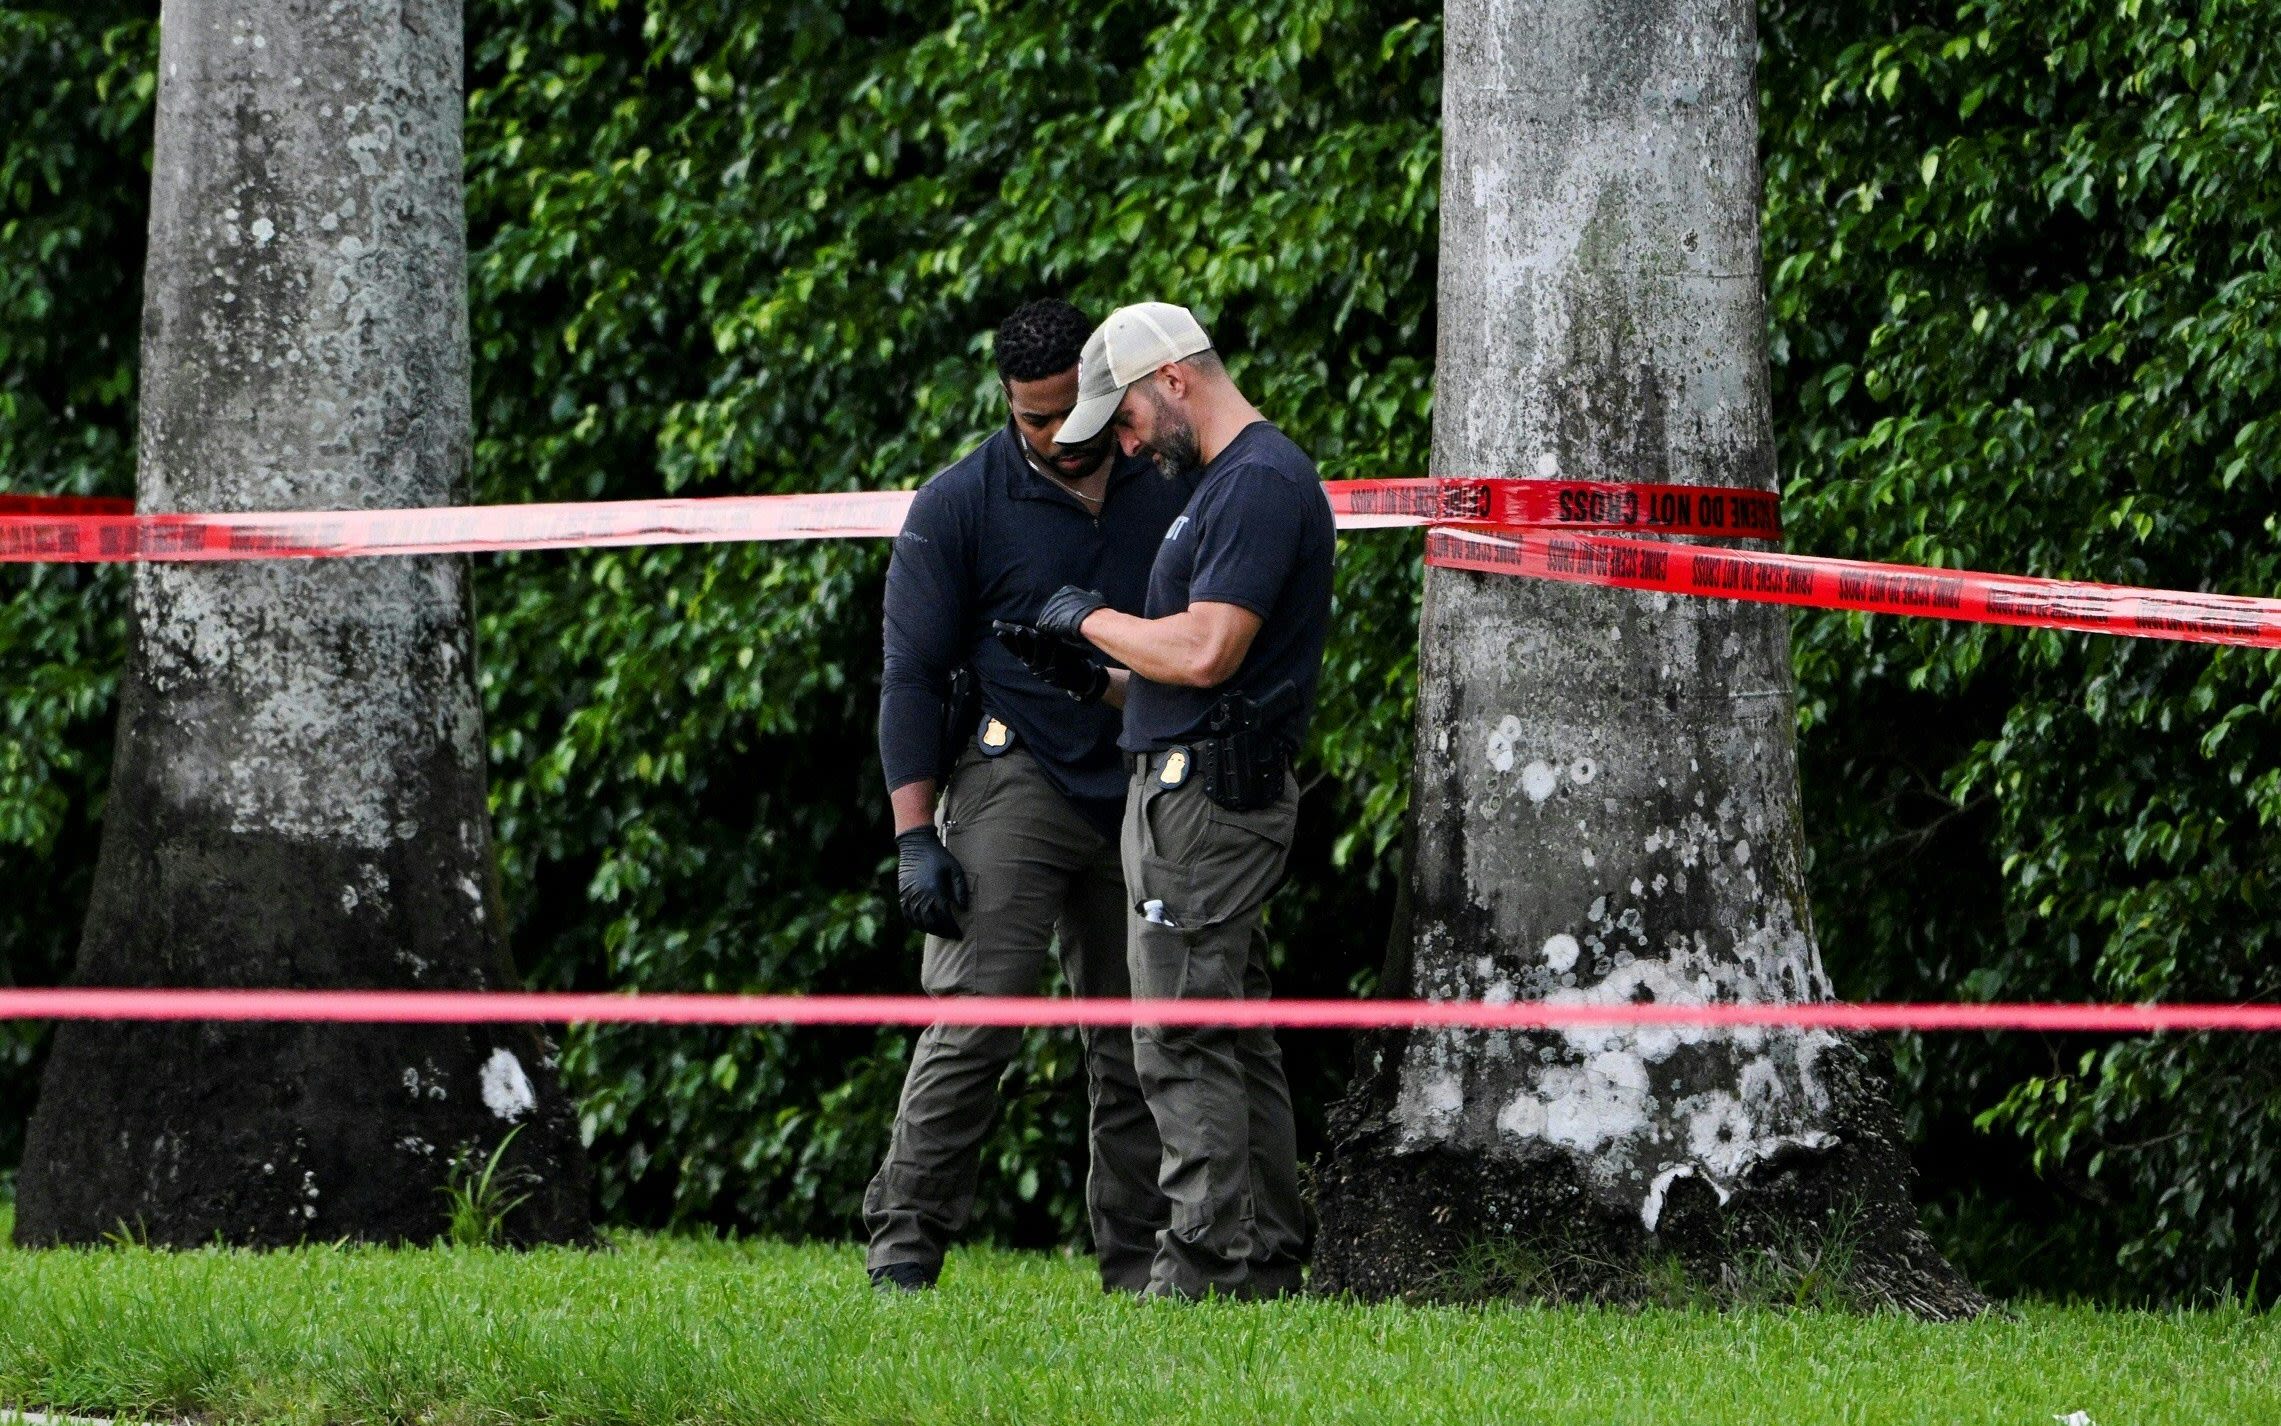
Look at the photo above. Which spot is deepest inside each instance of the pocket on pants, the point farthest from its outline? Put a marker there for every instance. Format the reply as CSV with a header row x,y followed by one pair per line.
x,y
1157,958
1238,863
1154,881
1153,826
1206,864
1277,821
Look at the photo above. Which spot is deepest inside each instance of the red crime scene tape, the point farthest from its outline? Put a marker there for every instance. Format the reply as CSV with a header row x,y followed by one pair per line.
x,y
64,505
1558,504
488,1007
450,529
1819,583
108,535
1479,524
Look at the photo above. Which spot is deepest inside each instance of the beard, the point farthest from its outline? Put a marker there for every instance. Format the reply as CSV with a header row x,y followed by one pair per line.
x,y
1174,448
1087,455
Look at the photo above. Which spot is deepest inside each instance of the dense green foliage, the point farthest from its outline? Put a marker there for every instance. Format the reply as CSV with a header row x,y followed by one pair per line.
x,y
2022,283
667,1331
2027,309
754,250
738,248
75,106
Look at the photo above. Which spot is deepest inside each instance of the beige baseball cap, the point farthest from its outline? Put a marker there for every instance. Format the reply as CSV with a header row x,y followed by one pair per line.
x,y
1134,342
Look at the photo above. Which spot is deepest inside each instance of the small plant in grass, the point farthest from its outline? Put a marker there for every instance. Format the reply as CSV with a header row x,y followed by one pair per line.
x,y
1800,1269
1565,1264
479,1200
1797,1268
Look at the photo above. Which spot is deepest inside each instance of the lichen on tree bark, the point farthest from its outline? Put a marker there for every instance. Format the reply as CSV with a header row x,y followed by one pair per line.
x,y
1605,805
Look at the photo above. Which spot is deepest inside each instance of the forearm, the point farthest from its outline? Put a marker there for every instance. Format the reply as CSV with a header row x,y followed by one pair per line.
x,y
914,804
1176,649
1114,695
913,703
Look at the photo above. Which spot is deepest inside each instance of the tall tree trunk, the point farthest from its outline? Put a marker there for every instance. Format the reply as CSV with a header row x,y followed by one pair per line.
x,y
298,793
1606,805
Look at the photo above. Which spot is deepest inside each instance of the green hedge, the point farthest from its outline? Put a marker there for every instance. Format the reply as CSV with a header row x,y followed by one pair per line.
x,y
75,107
2026,305
2020,274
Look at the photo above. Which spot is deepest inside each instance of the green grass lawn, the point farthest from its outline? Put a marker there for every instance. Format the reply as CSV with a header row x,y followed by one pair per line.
x,y
672,1331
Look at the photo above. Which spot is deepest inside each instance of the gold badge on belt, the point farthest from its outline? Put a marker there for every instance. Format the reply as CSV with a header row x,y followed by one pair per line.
x,y
996,737
1175,769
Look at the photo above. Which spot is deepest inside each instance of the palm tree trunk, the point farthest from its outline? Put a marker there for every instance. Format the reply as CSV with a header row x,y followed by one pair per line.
x,y
298,795
1606,790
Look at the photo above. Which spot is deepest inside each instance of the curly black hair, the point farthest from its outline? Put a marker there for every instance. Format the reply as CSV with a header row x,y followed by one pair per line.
x,y
1041,339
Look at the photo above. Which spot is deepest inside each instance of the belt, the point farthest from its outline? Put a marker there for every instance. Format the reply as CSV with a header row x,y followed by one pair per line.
x,y
1153,762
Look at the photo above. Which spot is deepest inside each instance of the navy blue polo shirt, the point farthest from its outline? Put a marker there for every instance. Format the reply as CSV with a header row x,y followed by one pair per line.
x,y
991,538
1259,533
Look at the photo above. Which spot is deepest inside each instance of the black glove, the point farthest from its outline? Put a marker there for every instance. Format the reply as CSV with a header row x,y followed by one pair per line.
x,y
929,882
1056,661
1067,609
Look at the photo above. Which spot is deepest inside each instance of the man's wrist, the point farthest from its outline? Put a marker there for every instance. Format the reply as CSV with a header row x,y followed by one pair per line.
x,y
912,805
1066,612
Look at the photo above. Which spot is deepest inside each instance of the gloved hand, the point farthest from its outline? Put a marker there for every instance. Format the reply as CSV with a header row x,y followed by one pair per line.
x,y
1067,610
929,882
1056,661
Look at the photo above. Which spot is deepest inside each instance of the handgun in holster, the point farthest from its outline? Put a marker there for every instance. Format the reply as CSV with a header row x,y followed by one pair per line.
x,y
1243,761
961,706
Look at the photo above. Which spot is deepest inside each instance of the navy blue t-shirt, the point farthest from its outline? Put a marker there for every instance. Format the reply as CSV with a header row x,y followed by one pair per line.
x,y
991,538
1258,533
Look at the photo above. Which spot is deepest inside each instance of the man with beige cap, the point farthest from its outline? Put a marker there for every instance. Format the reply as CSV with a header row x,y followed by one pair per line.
x,y
1223,661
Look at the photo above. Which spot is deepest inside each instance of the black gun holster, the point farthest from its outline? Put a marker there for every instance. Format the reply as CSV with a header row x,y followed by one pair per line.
x,y
961,706
1243,761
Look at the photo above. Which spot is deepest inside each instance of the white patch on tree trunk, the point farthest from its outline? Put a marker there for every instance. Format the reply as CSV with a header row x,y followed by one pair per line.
x,y
1538,780
1651,1208
1501,744
507,1091
1592,1107
1523,1118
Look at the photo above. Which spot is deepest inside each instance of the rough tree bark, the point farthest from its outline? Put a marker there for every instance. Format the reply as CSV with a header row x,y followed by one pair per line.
x,y
298,796
1605,805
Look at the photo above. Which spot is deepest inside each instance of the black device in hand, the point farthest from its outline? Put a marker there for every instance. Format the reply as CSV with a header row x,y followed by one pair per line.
x,y
929,882
1056,661
1066,612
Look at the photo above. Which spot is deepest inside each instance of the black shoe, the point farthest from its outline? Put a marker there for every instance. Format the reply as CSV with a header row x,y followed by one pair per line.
x,y
904,1277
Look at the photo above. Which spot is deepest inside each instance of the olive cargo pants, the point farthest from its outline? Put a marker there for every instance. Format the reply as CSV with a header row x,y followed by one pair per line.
x,y
1034,865
1222,1107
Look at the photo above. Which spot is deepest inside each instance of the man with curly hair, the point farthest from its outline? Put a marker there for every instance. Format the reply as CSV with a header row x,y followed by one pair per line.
x,y
1022,840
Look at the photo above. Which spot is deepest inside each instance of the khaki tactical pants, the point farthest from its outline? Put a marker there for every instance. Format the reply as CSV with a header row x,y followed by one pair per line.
x,y
1034,866
1222,1107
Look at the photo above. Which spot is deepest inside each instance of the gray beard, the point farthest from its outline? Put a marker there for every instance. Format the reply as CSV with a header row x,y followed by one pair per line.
x,y
1176,454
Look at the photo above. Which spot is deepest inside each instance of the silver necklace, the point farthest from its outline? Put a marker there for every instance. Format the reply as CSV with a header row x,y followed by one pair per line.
x,y
1092,500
